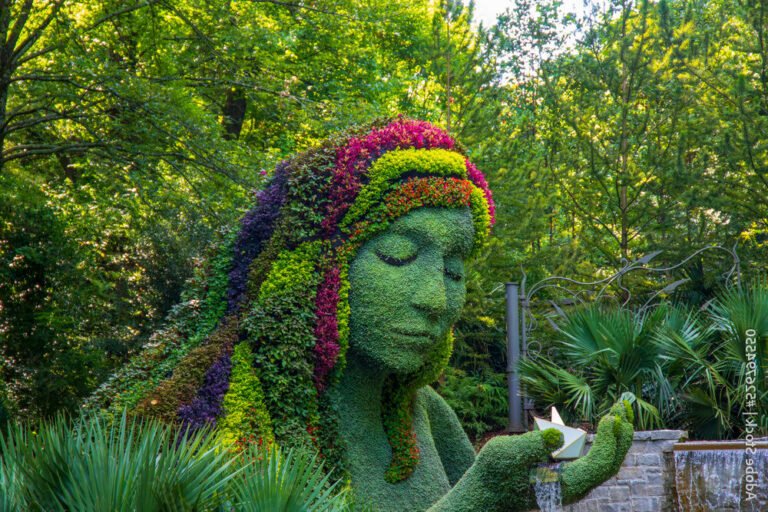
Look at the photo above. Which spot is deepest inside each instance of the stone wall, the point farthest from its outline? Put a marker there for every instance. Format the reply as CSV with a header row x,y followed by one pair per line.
x,y
646,481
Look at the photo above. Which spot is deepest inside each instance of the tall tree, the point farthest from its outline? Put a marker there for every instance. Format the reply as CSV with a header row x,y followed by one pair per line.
x,y
132,131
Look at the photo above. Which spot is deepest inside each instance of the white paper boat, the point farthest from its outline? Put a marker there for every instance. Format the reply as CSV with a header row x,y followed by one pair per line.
x,y
574,438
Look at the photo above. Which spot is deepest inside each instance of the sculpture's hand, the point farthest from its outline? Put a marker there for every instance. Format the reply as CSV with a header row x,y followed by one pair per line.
x,y
499,478
612,441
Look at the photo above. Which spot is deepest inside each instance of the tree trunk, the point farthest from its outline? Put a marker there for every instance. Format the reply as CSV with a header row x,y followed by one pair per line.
x,y
5,83
234,113
5,70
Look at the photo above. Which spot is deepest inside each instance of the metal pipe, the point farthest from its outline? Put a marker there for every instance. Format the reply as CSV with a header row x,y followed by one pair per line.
x,y
513,356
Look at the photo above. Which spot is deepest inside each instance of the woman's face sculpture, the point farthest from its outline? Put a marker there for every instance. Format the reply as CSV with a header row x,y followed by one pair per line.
x,y
407,288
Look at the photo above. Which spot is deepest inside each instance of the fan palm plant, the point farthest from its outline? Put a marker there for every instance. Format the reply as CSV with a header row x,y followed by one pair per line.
x,y
718,398
129,466
601,354
291,482
125,466
686,369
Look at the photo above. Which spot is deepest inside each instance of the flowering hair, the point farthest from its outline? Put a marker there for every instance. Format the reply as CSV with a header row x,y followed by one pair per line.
x,y
284,308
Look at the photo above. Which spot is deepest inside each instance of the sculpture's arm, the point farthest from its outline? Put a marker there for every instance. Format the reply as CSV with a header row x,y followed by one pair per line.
x,y
613,439
499,479
453,446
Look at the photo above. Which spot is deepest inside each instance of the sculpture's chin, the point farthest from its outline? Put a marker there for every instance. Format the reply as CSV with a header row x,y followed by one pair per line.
x,y
400,357
403,363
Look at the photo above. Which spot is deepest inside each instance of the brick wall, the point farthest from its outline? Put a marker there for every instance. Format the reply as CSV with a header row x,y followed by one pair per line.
x,y
646,481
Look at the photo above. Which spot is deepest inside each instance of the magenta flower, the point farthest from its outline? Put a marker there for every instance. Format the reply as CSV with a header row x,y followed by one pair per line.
x,y
326,327
478,179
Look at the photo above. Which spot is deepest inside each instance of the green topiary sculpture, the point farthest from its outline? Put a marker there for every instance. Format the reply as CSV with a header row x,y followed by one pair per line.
x,y
322,321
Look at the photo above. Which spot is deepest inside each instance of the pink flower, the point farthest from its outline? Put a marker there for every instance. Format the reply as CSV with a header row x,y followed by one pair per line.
x,y
326,327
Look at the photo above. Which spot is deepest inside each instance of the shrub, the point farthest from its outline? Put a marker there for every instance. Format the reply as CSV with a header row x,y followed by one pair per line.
x,y
480,400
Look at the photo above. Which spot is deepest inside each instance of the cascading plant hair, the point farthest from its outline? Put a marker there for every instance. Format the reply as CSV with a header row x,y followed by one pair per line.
x,y
264,330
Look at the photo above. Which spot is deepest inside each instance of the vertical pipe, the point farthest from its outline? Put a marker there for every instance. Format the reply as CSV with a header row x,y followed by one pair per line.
x,y
527,402
513,356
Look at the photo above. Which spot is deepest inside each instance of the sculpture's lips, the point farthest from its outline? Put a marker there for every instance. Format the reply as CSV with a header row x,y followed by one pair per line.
x,y
417,334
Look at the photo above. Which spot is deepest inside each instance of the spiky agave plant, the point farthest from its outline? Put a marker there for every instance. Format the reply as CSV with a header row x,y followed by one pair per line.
x,y
292,481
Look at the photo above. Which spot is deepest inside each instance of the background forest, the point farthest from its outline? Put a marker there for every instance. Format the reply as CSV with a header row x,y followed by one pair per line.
x,y
132,131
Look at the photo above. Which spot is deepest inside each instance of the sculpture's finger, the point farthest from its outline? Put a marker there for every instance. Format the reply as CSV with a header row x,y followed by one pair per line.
x,y
623,431
552,438
623,409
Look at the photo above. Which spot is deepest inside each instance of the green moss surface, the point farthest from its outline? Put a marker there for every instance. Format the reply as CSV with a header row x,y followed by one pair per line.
x,y
499,478
405,449
407,289
368,453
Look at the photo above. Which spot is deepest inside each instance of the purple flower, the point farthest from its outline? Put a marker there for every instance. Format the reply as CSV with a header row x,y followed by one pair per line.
x,y
206,407
255,229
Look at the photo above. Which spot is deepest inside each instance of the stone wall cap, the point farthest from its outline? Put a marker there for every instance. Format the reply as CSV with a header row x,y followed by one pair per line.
x,y
668,435
654,435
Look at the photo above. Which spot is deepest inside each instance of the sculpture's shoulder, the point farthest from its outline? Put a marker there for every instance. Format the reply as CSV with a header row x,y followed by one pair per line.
x,y
431,400
453,445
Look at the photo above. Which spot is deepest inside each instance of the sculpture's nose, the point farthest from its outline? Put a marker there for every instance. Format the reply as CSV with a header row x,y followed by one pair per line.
x,y
429,294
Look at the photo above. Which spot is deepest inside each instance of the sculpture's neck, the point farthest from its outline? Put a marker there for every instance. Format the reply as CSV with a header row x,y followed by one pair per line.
x,y
360,387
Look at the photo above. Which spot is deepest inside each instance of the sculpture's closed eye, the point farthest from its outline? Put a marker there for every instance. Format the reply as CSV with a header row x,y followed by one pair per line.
x,y
395,261
454,275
